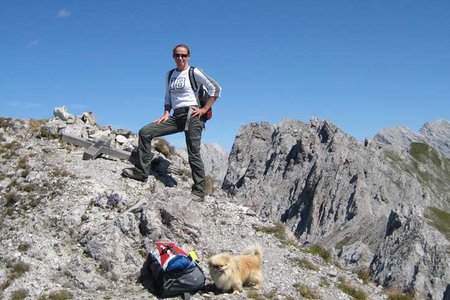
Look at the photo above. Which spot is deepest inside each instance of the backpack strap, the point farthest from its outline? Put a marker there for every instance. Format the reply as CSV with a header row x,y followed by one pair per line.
x,y
168,80
194,85
192,79
169,76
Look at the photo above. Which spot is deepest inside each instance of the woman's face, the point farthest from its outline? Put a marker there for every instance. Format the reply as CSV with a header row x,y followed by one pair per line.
x,y
181,58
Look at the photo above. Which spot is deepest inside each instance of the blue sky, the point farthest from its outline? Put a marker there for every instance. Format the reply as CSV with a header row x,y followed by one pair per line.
x,y
363,65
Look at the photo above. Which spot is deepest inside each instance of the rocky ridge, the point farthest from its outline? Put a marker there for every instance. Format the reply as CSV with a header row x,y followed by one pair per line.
x,y
376,206
74,228
436,134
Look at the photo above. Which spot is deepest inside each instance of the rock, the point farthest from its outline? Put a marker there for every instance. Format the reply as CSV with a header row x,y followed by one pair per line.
x,y
89,118
62,114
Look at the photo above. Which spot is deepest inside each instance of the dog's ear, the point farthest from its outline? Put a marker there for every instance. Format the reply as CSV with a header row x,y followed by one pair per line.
x,y
226,257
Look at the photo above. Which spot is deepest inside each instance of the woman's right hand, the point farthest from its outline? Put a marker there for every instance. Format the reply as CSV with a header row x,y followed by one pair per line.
x,y
163,118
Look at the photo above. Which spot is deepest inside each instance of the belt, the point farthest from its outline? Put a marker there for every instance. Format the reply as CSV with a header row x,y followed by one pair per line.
x,y
182,110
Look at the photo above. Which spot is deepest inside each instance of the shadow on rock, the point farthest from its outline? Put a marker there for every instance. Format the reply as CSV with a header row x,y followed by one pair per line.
x,y
146,278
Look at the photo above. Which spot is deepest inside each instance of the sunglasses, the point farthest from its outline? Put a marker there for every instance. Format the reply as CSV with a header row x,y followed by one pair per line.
x,y
180,55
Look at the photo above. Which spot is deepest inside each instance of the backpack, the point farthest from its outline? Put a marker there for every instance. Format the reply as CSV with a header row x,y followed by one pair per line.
x,y
201,93
174,271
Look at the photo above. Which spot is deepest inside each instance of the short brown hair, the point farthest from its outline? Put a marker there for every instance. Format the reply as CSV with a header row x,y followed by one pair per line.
x,y
182,46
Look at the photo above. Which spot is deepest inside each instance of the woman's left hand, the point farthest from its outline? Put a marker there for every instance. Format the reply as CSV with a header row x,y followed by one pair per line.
x,y
198,112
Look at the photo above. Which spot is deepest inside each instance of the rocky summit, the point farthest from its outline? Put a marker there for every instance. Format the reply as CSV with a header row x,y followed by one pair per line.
x,y
336,218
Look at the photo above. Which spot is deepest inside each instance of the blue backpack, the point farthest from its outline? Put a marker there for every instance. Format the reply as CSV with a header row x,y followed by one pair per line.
x,y
174,271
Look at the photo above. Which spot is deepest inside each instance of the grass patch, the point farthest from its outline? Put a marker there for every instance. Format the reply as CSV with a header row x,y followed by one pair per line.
x,y
440,220
350,290
255,295
398,296
23,247
22,165
20,268
60,172
306,264
11,199
278,231
306,291
19,294
163,147
9,150
424,153
16,270
6,123
36,125
364,275
324,282
432,169
319,251
57,295
272,294
209,185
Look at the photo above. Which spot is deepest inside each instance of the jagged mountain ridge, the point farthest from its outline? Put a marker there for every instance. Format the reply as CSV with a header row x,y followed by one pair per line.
x,y
86,228
75,229
370,202
436,134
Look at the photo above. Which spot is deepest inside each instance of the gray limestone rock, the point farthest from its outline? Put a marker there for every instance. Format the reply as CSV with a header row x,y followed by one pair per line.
x,y
436,134
77,226
347,196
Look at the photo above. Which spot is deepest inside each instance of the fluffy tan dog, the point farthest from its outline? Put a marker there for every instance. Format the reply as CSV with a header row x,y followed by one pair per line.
x,y
231,273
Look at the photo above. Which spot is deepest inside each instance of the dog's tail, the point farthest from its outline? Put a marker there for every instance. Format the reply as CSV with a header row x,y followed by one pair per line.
x,y
253,250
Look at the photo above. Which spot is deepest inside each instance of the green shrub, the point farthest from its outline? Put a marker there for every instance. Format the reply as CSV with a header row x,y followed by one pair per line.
x,y
394,295
23,247
36,125
60,172
57,295
20,268
16,270
364,275
255,295
6,123
19,294
306,264
278,230
324,282
11,199
9,150
306,291
350,290
318,250
46,134
22,165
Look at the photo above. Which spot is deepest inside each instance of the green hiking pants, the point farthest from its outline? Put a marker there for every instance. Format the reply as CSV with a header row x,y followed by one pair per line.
x,y
193,136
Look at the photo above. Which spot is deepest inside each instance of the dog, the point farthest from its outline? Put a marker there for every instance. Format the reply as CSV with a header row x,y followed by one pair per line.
x,y
231,273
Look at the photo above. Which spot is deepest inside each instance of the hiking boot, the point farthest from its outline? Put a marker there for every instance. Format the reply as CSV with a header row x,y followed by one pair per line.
x,y
133,173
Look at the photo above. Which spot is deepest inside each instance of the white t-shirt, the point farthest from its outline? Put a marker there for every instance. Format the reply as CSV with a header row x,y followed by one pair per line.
x,y
179,92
